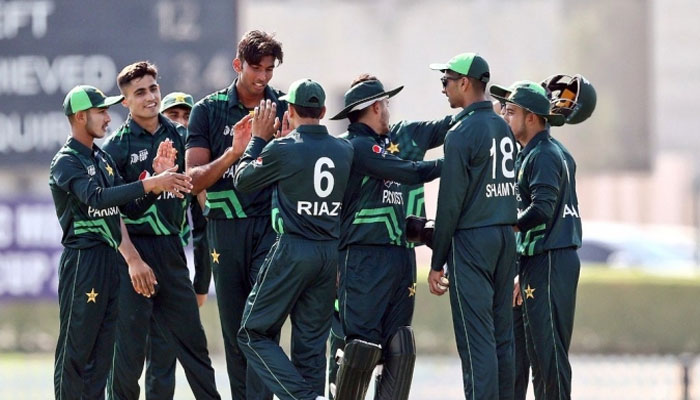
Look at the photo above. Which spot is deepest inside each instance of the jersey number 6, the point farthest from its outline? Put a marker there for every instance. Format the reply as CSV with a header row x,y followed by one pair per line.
x,y
320,176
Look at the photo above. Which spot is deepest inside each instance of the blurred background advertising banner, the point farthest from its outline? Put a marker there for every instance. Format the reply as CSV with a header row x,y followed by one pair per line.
x,y
30,249
49,46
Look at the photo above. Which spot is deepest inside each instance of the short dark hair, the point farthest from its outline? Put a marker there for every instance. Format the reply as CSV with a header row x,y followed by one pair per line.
x,y
308,112
255,45
480,85
356,115
135,71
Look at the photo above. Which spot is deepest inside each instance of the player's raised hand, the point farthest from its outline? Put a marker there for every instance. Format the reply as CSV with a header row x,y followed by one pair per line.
x,y
165,156
242,135
284,131
265,122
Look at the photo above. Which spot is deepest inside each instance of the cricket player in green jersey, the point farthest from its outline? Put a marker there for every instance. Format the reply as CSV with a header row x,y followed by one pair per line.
x,y
476,210
549,222
408,140
160,355
156,237
239,230
377,278
89,194
308,170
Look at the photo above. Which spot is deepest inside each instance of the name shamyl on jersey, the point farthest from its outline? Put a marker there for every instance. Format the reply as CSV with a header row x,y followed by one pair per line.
x,y
319,208
500,189
103,212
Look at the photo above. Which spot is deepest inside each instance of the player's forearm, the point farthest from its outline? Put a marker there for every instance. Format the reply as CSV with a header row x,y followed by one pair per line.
x,y
244,179
126,248
204,176
540,211
100,198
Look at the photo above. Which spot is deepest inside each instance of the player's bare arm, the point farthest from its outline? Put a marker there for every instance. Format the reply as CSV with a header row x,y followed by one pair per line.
x,y
205,172
142,277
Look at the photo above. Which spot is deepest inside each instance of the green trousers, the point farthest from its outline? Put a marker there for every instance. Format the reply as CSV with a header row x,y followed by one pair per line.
x,y
297,280
237,249
88,289
522,362
548,282
377,291
160,354
481,269
172,311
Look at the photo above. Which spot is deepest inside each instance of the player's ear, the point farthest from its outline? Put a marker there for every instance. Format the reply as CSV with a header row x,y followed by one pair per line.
x,y
81,116
323,112
237,65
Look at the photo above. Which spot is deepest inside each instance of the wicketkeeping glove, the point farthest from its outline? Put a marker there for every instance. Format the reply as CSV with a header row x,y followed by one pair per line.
x,y
420,230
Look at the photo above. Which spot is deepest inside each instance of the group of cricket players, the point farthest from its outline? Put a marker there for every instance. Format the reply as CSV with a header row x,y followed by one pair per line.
x,y
320,228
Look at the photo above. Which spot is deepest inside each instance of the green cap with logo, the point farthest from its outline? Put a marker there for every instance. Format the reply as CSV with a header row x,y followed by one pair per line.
x,y
305,93
176,99
468,64
531,96
85,97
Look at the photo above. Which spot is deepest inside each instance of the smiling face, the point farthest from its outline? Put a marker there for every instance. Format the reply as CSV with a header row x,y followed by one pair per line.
x,y
253,78
142,97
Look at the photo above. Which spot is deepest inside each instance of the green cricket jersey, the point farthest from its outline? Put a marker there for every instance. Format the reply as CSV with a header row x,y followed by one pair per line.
x,y
211,127
133,150
410,140
309,172
548,215
373,206
477,187
88,193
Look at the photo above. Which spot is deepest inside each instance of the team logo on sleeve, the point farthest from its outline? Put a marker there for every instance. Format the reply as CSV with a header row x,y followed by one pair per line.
x,y
378,149
91,170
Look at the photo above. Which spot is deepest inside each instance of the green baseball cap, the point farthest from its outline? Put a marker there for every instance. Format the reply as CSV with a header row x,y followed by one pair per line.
x,y
84,97
305,93
176,99
468,64
363,95
531,96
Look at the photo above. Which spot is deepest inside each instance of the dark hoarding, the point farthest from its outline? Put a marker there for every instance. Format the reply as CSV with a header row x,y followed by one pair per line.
x,y
49,46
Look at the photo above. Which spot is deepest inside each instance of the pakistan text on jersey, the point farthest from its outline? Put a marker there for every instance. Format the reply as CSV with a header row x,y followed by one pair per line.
x,y
229,172
501,189
570,210
392,197
319,208
104,212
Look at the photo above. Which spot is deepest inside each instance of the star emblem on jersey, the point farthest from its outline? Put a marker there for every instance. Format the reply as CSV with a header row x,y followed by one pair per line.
x,y
109,169
393,148
412,290
215,256
92,296
529,292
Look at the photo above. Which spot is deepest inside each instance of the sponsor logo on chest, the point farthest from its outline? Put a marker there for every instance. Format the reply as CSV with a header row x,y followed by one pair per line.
x,y
142,155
